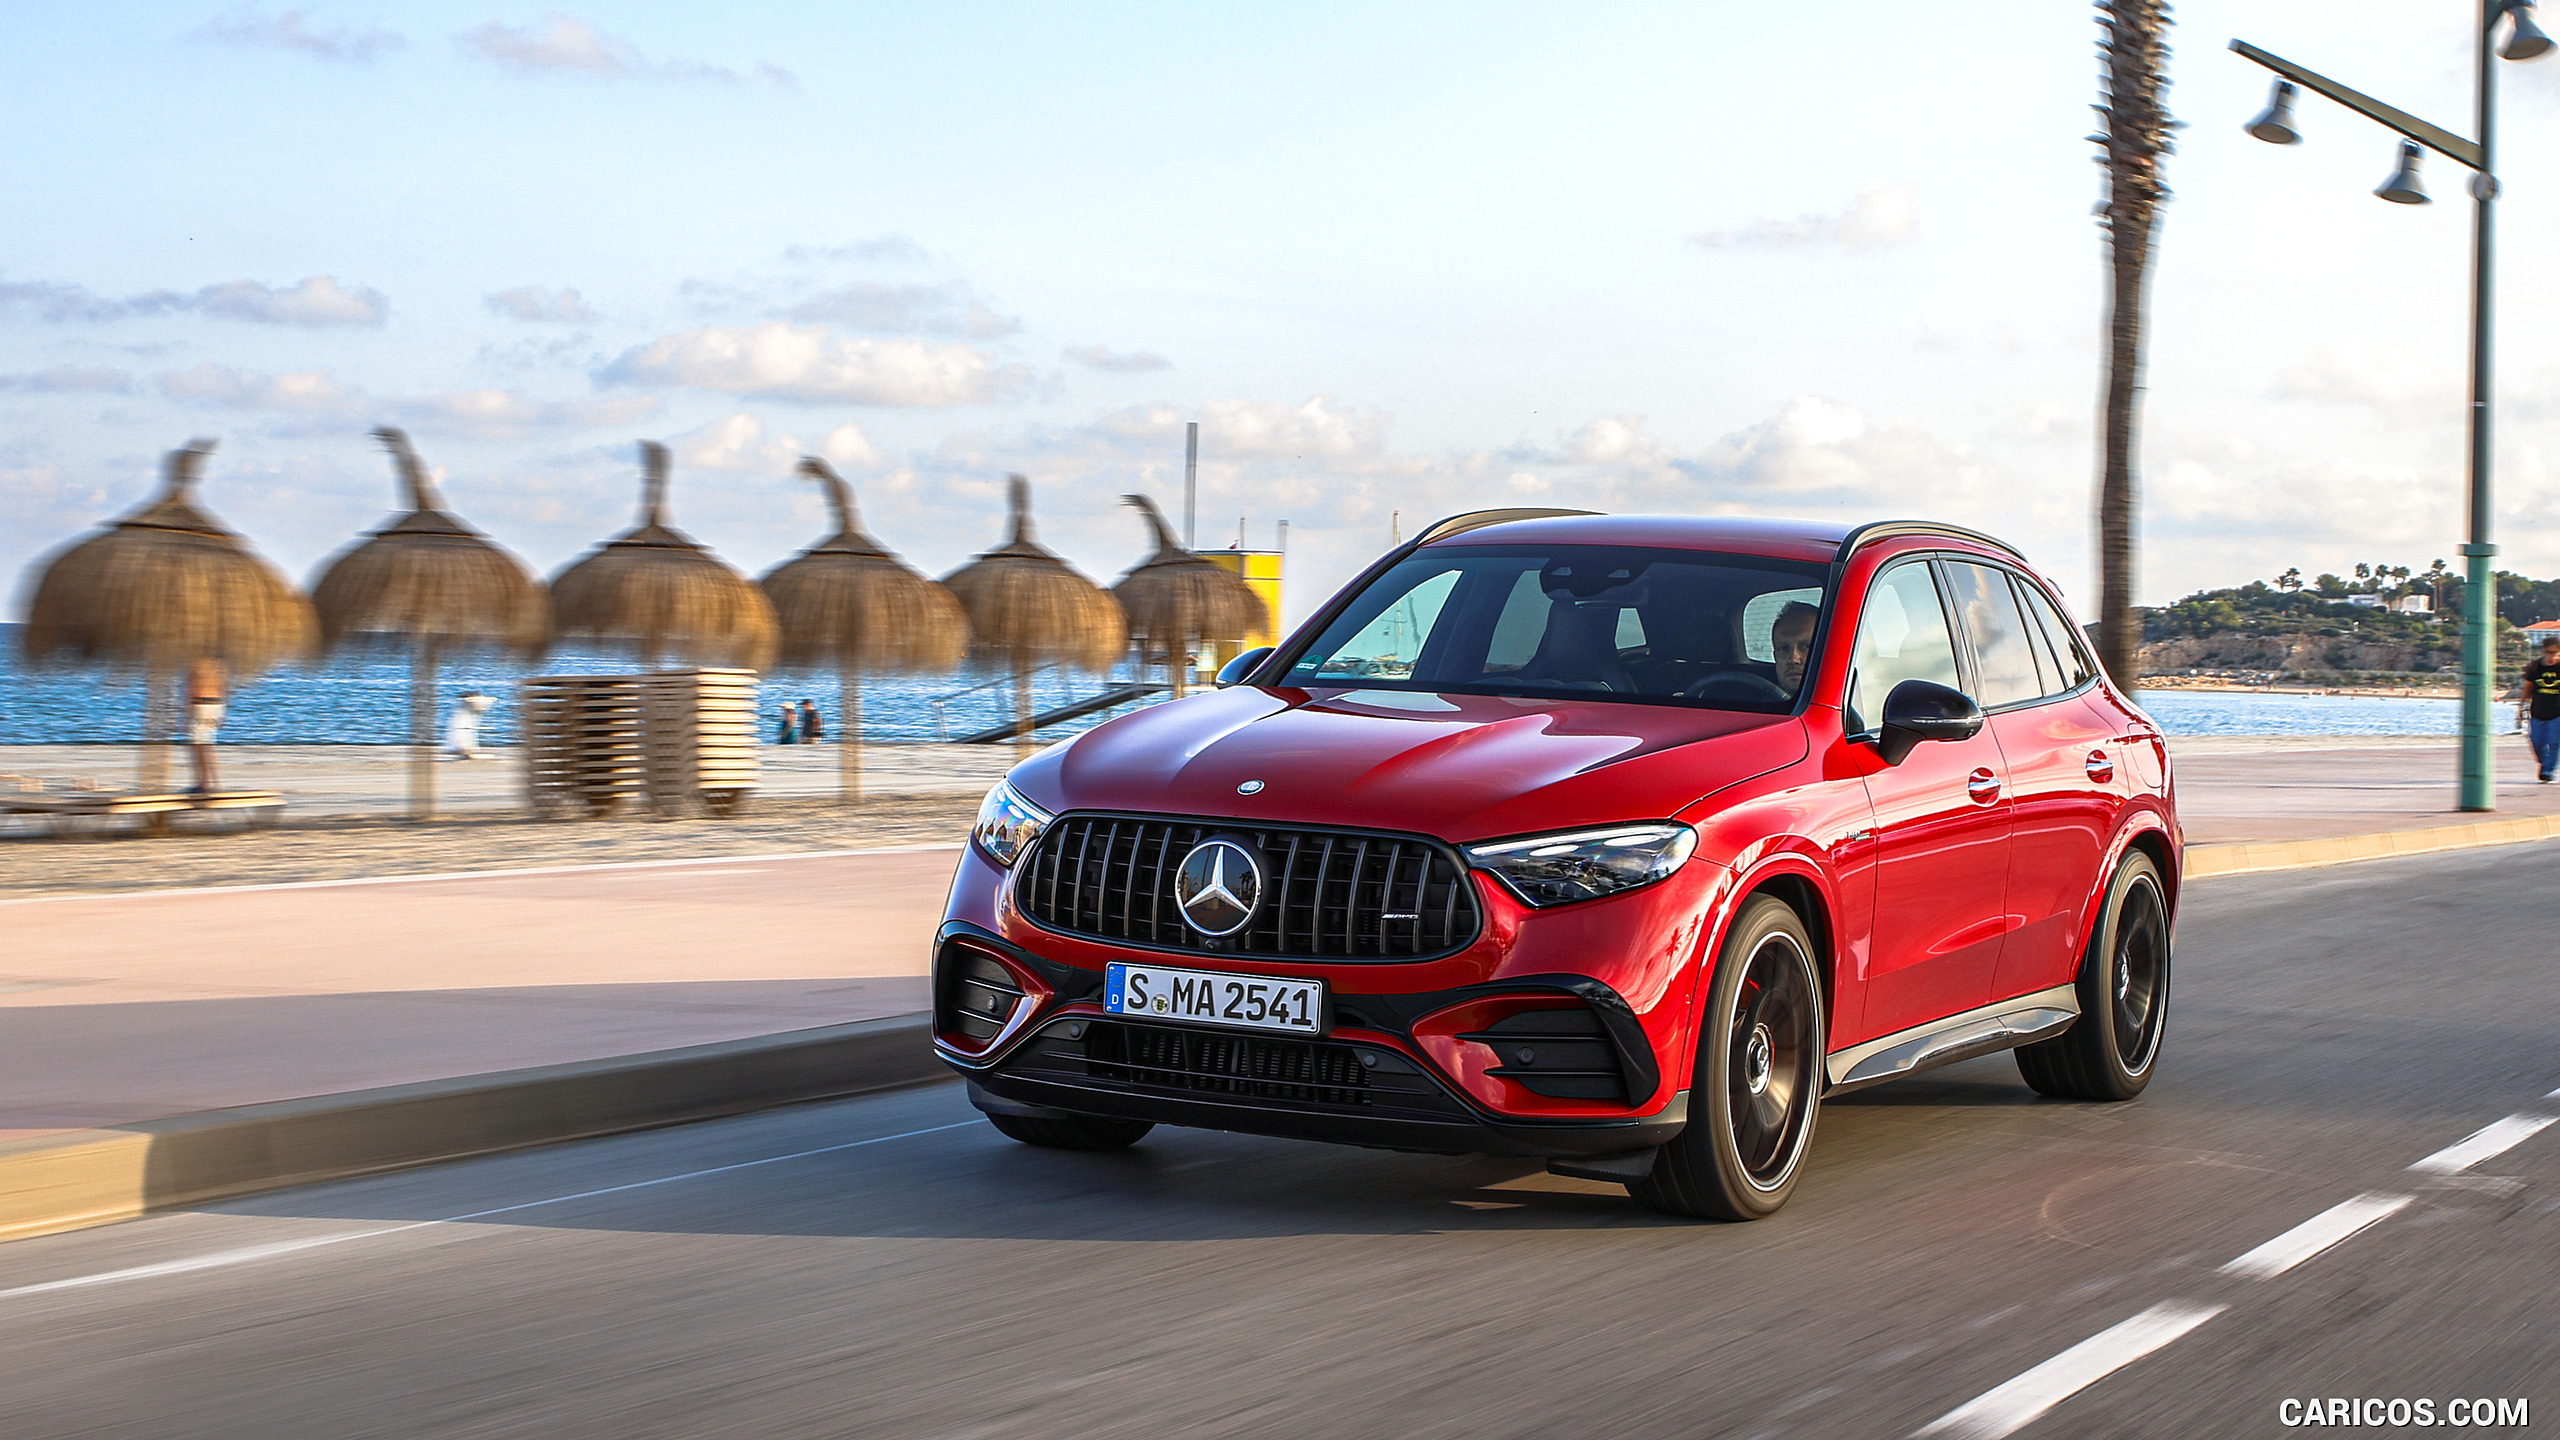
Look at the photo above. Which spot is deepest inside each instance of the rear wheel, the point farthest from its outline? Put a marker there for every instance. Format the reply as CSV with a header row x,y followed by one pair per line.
x,y
2124,997
1758,1082
1073,1132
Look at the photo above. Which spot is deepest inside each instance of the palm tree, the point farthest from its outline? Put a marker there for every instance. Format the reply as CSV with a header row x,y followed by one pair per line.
x,y
2135,138
2291,579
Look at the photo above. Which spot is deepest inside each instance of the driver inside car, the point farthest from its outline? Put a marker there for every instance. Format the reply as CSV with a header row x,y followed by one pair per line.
x,y
1791,643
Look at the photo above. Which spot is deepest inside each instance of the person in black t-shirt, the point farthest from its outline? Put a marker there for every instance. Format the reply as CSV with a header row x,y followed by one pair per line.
x,y
2541,691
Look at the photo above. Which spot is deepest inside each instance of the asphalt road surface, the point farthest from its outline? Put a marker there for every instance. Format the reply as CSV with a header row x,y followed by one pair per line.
x,y
1962,1254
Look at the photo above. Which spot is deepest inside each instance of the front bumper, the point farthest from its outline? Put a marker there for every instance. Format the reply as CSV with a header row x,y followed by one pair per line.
x,y
1369,1081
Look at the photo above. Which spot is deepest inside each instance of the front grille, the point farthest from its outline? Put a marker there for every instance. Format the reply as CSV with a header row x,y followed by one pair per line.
x,y
1309,1075
1328,894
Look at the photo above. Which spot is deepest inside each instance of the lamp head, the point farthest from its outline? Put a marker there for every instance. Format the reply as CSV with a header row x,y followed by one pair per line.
x,y
2403,187
2275,123
2525,39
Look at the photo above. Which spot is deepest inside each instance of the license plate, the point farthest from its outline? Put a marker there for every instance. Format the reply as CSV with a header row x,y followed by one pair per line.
x,y
1243,1002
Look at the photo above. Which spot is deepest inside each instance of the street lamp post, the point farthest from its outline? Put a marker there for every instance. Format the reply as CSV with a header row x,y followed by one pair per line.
x,y
2525,40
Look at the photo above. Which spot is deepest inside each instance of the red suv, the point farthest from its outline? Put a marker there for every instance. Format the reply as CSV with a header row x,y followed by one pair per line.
x,y
1616,841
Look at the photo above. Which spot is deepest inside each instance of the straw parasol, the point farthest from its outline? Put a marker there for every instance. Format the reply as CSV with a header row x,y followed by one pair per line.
x,y
437,583
1027,607
847,603
662,593
162,588
1178,598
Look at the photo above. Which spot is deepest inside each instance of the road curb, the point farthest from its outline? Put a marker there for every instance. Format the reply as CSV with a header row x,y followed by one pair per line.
x,y
93,1177
2249,857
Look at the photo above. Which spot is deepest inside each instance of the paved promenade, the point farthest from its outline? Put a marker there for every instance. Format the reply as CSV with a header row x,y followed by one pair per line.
x,y
132,1006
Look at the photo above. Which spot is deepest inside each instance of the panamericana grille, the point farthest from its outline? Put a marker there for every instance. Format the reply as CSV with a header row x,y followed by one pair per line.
x,y
1328,894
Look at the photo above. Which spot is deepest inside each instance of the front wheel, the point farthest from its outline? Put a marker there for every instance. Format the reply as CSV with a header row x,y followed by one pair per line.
x,y
1758,1082
2110,1052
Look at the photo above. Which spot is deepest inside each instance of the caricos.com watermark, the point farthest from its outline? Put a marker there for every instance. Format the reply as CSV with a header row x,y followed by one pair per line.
x,y
2462,1413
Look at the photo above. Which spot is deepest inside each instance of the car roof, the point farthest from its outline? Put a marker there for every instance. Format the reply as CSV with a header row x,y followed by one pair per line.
x,y
1815,540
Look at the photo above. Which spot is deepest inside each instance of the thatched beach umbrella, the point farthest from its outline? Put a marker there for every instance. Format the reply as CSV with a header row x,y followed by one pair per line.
x,y
1178,598
847,603
437,584
1027,607
660,592
162,588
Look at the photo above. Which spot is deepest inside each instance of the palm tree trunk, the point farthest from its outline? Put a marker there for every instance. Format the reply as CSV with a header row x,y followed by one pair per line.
x,y
422,730
2136,137
849,734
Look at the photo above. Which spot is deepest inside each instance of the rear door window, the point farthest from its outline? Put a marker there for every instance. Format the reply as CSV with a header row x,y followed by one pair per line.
x,y
2068,652
2004,663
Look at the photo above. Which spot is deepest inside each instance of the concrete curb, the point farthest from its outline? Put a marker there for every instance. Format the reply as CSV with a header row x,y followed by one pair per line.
x,y
92,1177
2252,856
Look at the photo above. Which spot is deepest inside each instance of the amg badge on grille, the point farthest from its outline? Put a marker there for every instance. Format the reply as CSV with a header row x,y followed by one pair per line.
x,y
1219,885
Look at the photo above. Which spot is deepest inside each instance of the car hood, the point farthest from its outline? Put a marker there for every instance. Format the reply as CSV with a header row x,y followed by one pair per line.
x,y
1462,767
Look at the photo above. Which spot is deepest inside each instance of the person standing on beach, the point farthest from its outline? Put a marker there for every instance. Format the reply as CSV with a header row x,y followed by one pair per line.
x,y
2541,690
462,727
812,729
788,733
206,692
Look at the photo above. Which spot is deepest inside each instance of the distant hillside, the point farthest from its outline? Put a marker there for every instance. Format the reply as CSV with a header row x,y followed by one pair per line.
x,y
2317,630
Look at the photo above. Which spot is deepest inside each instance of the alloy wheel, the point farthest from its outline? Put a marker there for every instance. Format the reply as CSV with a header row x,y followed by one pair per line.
x,y
1769,1074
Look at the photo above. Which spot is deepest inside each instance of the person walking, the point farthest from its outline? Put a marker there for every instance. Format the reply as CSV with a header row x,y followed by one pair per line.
x,y
462,727
788,732
812,729
2541,690
207,690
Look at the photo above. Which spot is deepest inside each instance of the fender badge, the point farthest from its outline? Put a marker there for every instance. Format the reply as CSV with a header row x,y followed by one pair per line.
x,y
1250,787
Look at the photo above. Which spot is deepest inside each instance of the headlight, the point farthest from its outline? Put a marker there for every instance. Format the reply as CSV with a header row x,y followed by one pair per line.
x,y
1007,824
1584,864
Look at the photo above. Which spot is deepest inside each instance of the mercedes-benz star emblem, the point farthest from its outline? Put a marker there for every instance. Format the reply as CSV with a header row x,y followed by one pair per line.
x,y
1250,787
1218,886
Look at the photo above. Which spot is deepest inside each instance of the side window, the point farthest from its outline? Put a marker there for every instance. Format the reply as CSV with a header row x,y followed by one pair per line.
x,y
2049,671
1988,610
1902,635
2068,652
1760,618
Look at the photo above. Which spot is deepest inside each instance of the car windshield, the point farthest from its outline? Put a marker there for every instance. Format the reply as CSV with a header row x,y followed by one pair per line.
x,y
1675,627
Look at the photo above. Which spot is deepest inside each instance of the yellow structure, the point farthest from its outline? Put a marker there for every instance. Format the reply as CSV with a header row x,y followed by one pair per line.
x,y
1261,570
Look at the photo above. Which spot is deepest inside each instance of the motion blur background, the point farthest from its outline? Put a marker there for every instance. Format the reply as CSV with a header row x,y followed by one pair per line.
x,y
1701,257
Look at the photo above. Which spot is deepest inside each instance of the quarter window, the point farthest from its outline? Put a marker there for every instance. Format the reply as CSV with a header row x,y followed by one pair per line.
x,y
2068,652
1902,635
2004,663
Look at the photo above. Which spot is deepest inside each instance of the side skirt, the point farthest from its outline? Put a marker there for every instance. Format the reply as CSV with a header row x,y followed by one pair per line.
x,y
2003,1025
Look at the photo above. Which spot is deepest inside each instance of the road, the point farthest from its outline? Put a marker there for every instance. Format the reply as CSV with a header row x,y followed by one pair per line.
x,y
1961,1252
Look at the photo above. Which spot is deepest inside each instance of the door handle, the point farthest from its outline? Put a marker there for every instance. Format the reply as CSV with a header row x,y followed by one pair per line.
x,y
2101,769
1982,786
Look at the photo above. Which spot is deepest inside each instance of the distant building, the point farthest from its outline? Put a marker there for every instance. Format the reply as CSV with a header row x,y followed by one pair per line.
x,y
2541,630
2414,605
2369,602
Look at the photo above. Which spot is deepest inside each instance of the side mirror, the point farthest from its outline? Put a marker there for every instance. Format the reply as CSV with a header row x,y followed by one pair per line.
x,y
1234,671
1920,710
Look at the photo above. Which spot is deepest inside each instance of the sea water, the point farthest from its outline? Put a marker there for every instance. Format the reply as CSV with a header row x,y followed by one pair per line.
x,y
364,700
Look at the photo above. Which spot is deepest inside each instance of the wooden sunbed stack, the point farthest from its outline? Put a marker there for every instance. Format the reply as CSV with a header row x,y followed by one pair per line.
x,y
701,737
681,741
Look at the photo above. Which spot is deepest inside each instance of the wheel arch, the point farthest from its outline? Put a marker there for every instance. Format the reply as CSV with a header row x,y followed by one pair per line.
x,y
1790,878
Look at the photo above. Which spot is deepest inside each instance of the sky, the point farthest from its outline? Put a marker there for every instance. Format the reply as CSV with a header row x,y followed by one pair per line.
x,y
1396,261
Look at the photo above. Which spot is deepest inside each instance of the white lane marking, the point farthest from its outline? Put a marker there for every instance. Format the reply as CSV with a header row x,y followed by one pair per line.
x,y
2494,1138
2314,1235
2005,1409
479,874
250,1254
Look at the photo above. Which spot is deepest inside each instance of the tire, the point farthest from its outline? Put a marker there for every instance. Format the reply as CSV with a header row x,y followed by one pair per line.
x,y
2111,1052
1757,1086
1073,1132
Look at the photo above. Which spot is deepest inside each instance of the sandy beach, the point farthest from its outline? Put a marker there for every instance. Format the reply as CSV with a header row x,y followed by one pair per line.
x,y
344,805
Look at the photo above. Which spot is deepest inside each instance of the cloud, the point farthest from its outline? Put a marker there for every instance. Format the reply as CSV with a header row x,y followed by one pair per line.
x,y
534,304
914,309
808,362
877,249
63,379
1884,214
1256,429
293,30
316,301
1102,357
487,413
566,45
